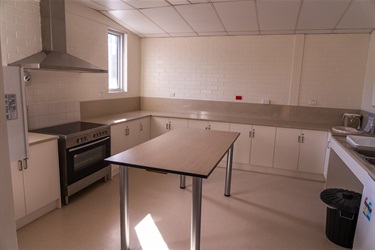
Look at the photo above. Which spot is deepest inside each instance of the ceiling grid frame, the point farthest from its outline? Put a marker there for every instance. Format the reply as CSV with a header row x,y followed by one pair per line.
x,y
365,17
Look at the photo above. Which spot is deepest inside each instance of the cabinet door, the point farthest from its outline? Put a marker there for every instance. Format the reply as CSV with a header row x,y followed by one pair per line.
x,y
131,134
18,191
198,124
144,129
219,126
158,126
178,123
41,178
262,146
286,148
118,143
241,152
312,151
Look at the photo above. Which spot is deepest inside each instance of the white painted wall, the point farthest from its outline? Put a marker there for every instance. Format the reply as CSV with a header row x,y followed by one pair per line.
x,y
369,82
286,69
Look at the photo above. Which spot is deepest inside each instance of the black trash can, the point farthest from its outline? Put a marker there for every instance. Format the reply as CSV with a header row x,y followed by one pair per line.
x,y
342,215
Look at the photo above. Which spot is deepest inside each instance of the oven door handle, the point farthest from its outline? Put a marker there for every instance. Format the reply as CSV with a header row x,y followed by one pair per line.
x,y
87,145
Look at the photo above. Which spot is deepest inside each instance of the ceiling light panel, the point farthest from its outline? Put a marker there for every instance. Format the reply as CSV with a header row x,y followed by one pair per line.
x,y
114,4
137,21
201,17
321,14
168,19
361,14
278,15
142,4
237,16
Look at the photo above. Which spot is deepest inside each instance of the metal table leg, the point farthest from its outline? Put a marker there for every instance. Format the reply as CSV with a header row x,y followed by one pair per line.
x,y
228,176
182,181
196,214
124,215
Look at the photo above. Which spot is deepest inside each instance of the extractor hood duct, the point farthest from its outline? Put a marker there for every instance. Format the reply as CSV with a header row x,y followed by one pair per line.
x,y
54,55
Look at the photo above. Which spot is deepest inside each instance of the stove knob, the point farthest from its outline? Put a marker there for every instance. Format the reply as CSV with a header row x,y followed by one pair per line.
x,y
78,140
94,135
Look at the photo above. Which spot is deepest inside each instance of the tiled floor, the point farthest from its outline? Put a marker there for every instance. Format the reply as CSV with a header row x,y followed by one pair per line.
x,y
263,212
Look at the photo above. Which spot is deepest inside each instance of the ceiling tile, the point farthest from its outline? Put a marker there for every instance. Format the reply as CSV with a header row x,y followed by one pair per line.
x,y
113,4
201,17
168,19
278,15
137,21
199,1
91,4
361,14
178,2
237,16
146,3
321,14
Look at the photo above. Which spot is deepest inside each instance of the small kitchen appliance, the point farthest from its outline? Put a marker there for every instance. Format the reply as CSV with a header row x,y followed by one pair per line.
x,y
83,146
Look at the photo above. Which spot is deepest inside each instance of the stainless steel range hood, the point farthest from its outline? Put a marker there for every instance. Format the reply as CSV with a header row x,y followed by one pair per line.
x,y
54,55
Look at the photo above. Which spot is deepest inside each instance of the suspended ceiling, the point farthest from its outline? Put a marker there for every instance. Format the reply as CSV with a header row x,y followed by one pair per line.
x,y
192,18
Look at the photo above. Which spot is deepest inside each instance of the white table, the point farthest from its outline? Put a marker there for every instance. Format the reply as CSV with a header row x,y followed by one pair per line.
x,y
186,152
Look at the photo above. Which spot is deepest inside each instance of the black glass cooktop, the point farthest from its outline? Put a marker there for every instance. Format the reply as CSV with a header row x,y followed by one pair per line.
x,y
68,128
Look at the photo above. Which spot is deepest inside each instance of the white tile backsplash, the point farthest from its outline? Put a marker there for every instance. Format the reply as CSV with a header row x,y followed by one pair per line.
x,y
49,114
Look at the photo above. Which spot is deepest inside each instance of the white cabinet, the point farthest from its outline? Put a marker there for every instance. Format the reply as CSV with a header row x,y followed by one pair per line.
x,y
302,150
161,125
129,134
209,125
36,181
255,145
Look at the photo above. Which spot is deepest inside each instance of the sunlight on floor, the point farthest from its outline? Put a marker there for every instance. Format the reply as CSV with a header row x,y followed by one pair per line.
x,y
149,235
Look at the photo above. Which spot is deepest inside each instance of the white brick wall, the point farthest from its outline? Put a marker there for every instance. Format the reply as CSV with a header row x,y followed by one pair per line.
x,y
20,29
218,68
86,39
258,68
333,70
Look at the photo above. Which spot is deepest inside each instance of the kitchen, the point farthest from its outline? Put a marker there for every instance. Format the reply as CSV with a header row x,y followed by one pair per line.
x,y
329,72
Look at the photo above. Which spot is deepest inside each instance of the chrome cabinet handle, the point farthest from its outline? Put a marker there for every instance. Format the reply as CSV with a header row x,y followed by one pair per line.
x,y
302,138
25,167
19,165
253,133
141,127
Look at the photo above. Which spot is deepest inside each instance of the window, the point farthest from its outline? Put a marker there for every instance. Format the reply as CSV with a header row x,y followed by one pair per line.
x,y
116,61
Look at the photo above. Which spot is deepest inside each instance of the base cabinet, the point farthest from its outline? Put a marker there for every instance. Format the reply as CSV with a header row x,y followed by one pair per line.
x,y
162,125
301,150
35,180
255,145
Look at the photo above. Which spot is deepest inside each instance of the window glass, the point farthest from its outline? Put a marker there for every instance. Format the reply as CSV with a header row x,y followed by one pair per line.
x,y
116,63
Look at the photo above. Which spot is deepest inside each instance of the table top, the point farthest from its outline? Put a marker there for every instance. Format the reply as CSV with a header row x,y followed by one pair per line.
x,y
185,151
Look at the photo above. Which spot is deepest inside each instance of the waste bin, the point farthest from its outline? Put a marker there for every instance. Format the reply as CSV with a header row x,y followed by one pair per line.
x,y
342,215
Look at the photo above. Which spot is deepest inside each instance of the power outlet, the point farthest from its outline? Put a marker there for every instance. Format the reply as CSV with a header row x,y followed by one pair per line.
x,y
172,94
313,102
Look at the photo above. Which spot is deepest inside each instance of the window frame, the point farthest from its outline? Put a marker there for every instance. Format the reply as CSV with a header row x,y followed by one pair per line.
x,y
122,62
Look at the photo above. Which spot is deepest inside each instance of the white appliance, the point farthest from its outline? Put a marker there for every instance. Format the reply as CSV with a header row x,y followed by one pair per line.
x,y
15,111
364,238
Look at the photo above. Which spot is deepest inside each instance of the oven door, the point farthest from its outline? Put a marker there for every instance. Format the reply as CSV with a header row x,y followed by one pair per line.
x,y
86,159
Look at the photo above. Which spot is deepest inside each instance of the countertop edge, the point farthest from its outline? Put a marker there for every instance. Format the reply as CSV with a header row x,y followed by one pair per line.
x,y
348,149
35,138
129,116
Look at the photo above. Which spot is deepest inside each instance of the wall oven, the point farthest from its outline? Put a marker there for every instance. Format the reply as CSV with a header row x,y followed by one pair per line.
x,y
82,149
